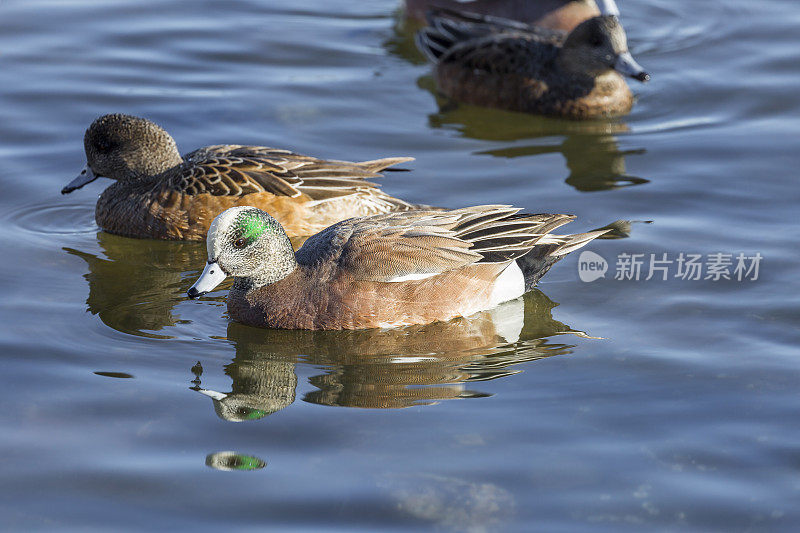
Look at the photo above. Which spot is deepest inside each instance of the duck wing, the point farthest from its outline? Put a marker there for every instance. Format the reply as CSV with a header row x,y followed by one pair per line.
x,y
235,170
418,244
477,40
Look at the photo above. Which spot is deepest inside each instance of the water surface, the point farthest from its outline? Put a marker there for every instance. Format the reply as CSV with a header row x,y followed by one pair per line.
x,y
608,406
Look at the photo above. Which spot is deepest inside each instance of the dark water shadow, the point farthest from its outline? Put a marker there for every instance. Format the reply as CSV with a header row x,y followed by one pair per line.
x,y
134,284
386,369
401,43
595,162
590,149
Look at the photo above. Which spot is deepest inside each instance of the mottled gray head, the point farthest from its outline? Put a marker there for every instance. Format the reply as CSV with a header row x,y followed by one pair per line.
x,y
237,409
245,242
261,386
234,461
597,45
124,147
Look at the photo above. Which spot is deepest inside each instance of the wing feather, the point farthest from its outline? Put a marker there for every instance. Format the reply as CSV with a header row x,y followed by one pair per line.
x,y
236,170
411,244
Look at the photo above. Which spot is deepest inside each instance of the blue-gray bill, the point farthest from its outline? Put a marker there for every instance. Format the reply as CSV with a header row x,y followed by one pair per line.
x,y
628,66
212,276
86,176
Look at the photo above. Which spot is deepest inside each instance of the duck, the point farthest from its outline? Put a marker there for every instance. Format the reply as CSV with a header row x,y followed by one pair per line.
x,y
381,271
552,14
494,62
159,194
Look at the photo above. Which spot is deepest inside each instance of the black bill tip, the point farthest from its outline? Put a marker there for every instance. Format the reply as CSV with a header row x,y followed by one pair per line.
x,y
194,294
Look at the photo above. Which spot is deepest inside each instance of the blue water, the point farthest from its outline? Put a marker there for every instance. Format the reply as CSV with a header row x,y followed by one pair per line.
x,y
617,405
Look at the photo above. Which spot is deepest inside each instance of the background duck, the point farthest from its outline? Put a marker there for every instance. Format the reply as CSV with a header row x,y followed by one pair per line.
x,y
553,14
161,195
387,270
501,63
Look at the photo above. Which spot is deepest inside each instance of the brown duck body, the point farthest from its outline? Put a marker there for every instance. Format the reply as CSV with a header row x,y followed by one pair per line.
x,y
317,297
303,193
554,93
493,62
157,212
553,14
398,269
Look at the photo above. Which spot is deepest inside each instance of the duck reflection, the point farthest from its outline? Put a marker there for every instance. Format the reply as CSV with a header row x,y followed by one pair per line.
x,y
595,162
261,386
591,151
134,284
228,461
386,369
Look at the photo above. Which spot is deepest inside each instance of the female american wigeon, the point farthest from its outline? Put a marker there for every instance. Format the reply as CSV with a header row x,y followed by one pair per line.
x,y
501,63
380,271
553,14
161,195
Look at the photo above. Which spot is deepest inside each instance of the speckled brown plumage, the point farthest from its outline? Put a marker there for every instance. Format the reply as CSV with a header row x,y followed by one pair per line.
x,y
161,195
575,97
303,193
345,276
554,14
496,63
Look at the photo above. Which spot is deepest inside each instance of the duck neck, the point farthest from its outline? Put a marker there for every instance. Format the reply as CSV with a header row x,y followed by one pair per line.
x,y
155,163
169,160
280,266
275,272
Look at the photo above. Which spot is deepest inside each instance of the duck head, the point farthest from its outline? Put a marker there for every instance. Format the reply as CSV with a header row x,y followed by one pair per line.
x,y
229,407
597,45
124,147
247,243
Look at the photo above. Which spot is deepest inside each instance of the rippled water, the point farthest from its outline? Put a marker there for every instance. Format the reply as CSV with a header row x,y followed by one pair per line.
x,y
611,406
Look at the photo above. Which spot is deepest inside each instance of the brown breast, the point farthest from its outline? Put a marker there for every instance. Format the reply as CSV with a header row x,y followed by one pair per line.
x,y
605,96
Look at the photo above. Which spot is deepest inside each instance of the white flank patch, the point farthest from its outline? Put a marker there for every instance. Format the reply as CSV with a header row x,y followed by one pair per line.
x,y
510,284
413,277
508,319
412,359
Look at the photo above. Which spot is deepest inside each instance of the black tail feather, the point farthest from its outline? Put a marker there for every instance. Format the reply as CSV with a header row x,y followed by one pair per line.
x,y
536,263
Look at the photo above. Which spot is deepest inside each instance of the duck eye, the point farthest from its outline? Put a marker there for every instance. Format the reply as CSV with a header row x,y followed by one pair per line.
x,y
103,145
239,243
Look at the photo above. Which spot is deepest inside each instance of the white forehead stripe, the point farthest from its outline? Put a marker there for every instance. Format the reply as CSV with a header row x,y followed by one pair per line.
x,y
218,228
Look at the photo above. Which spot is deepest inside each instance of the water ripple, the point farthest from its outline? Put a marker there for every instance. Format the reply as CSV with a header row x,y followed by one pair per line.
x,y
48,219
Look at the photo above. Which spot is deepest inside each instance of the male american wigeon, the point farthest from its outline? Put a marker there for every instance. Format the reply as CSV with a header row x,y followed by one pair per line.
x,y
160,195
388,270
501,63
553,14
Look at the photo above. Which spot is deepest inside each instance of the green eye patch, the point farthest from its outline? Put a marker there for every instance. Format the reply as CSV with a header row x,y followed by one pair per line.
x,y
250,226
